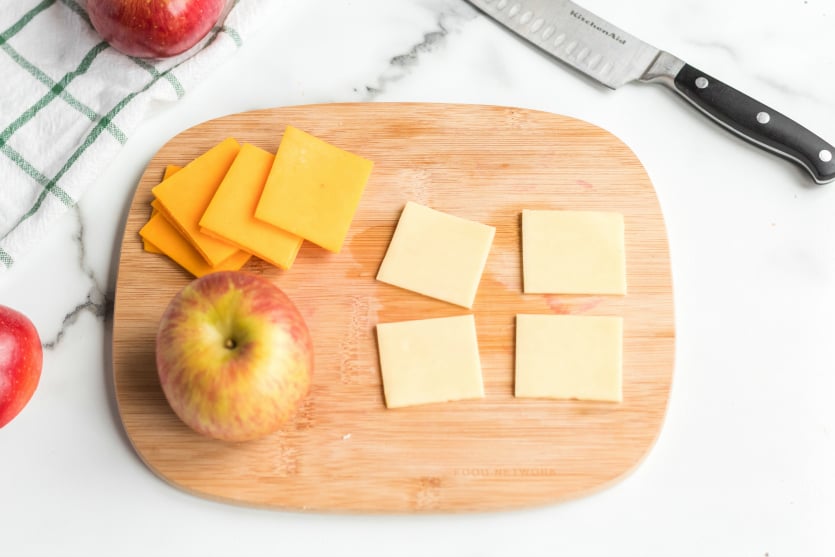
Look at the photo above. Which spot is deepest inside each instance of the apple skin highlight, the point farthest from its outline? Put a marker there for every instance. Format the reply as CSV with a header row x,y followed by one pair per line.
x,y
234,356
154,28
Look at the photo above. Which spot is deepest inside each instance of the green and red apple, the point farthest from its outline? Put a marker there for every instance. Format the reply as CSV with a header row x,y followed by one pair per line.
x,y
234,356
21,360
154,28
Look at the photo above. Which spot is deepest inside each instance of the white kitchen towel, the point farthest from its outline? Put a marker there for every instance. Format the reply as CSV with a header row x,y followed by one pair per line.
x,y
69,102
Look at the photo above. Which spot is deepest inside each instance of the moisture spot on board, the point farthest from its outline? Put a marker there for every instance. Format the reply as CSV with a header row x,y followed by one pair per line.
x,y
569,305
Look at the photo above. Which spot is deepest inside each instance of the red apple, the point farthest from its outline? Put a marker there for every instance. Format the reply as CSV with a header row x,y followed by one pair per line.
x,y
21,359
153,28
234,356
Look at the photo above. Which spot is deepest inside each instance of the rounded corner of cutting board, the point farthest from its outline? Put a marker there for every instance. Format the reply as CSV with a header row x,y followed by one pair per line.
x,y
322,460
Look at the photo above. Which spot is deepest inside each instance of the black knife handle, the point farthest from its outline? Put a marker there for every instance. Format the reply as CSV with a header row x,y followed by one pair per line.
x,y
757,123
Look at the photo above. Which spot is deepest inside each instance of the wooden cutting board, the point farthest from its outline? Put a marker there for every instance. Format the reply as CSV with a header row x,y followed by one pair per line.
x,y
344,450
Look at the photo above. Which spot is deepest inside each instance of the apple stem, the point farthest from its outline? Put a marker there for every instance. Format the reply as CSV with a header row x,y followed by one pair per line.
x,y
230,343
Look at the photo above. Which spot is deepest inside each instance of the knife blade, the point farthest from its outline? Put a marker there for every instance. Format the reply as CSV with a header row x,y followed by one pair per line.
x,y
613,57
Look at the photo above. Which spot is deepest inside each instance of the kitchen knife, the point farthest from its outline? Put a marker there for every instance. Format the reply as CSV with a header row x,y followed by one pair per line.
x,y
613,57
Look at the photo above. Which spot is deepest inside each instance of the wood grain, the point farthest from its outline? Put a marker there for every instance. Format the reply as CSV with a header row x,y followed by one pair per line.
x,y
344,451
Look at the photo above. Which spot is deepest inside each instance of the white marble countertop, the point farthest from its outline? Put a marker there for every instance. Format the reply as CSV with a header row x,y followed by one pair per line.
x,y
745,464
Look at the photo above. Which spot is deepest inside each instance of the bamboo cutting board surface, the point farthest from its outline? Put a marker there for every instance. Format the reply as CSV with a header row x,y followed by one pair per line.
x,y
344,451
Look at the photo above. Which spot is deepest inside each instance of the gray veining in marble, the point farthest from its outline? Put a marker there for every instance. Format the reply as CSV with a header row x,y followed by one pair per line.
x,y
98,300
450,18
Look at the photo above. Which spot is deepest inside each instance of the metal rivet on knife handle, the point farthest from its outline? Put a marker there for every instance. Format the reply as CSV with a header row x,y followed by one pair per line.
x,y
825,155
701,83
763,117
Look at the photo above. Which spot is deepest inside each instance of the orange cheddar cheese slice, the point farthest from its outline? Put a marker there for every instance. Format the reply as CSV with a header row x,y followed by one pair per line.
x,y
168,239
170,170
313,189
230,215
148,246
183,198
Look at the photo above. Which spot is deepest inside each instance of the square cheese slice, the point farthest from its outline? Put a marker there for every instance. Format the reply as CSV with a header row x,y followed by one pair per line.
x,y
569,357
230,215
573,252
437,255
429,360
184,197
313,189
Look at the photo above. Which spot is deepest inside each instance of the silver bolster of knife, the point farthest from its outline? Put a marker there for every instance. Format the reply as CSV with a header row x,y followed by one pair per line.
x,y
664,69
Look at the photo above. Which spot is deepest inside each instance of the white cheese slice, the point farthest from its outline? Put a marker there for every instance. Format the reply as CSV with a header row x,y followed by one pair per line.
x,y
429,360
573,252
569,357
437,255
